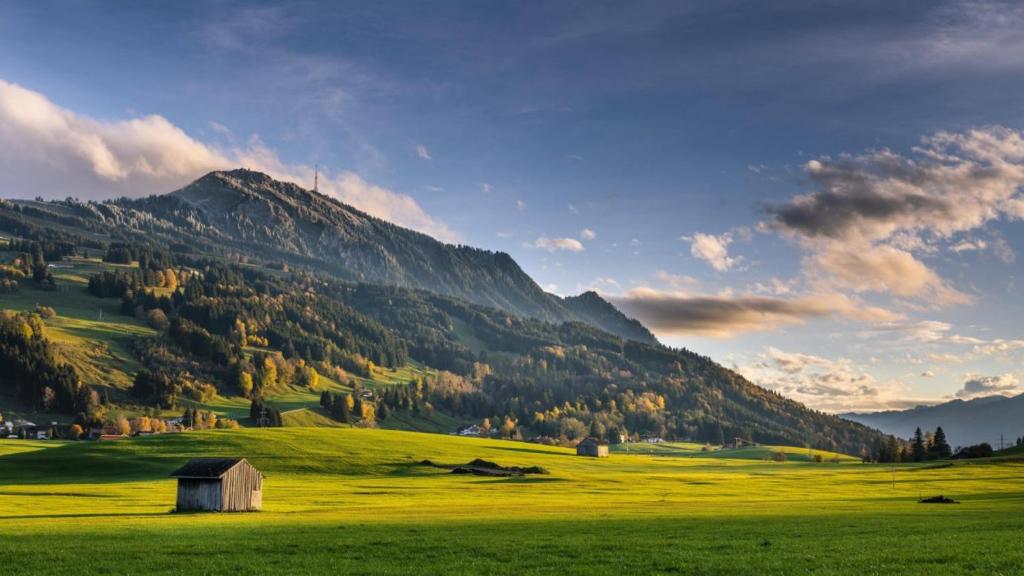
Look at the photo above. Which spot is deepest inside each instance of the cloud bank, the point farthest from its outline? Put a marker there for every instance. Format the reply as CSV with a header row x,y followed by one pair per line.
x,y
53,152
671,313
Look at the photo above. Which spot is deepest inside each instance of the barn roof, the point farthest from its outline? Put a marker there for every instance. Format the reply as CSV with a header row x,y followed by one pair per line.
x,y
206,467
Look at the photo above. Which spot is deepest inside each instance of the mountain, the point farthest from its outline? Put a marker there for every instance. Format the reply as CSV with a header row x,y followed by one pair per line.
x,y
252,288
965,422
249,214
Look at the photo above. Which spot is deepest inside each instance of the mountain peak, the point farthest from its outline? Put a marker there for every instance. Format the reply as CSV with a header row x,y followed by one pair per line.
x,y
267,219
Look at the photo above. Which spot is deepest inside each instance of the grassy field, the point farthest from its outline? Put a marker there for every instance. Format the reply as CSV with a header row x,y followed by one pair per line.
x,y
353,501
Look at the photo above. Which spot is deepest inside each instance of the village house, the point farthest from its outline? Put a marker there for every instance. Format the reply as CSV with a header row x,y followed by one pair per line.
x,y
219,485
30,431
473,430
592,447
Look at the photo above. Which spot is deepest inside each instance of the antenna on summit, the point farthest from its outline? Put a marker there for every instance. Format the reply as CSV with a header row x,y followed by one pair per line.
x,y
316,178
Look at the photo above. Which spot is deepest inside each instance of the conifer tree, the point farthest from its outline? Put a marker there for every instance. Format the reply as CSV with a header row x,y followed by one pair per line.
x,y
918,447
940,448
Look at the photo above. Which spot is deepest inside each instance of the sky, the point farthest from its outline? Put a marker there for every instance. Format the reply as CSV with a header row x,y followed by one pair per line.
x,y
824,196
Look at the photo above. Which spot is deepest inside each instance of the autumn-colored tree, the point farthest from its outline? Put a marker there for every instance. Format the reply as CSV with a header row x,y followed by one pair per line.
x,y
75,432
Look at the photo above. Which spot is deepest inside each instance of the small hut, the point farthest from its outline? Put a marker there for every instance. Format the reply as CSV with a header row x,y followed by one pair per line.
x,y
219,484
592,447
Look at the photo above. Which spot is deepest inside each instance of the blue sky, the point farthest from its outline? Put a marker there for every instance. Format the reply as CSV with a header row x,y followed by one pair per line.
x,y
654,151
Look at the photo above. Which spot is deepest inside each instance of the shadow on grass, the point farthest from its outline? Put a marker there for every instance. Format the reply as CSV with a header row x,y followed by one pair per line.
x,y
94,515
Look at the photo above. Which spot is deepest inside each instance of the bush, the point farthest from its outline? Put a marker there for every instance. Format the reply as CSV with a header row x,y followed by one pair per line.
x,y
45,312
778,456
983,450
157,319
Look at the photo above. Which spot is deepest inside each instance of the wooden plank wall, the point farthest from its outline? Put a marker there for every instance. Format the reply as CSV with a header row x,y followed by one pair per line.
x,y
194,494
242,489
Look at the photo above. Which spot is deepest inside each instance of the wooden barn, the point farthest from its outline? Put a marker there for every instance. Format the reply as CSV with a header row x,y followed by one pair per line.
x,y
592,447
219,484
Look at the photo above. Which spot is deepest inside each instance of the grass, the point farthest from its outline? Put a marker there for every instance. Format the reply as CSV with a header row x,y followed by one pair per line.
x,y
90,333
343,500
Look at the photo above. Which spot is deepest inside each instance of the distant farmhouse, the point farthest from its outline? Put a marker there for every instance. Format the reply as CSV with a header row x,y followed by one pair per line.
x,y
219,485
593,448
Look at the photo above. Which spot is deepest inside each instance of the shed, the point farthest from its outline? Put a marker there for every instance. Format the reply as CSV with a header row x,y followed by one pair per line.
x,y
219,484
592,447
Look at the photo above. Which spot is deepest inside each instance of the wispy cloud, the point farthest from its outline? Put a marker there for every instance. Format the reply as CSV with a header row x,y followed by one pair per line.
x,y
422,152
558,244
588,234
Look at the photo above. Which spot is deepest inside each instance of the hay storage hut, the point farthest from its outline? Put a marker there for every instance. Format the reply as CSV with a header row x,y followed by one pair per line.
x,y
592,447
219,484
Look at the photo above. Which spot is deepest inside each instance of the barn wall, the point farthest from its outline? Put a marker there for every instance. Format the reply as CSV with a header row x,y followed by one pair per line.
x,y
196,494
242,489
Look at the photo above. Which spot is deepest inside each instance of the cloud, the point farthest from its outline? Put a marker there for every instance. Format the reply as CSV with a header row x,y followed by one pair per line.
x,y
927,374
49,151
881,268
558,244
679,313
485,187
675,281
871,213
573,209
823,383
588,234
712,249
957,182
976,386
919,331
422,152
997,347
520,205
795,362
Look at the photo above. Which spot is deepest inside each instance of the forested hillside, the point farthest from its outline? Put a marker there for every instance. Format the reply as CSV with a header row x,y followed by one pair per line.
x,y
233,322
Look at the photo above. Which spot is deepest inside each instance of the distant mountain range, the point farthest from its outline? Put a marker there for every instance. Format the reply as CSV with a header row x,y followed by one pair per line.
x,y
249,214
965,422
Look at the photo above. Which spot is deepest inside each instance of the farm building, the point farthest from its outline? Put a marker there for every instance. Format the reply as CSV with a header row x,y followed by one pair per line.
x,y
219,484
592,447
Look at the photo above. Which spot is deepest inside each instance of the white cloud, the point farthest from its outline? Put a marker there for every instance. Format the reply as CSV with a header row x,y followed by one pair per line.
x,y
558,244
485,187
422,152
712,249
520,205
976,386
49,151
588,234
573,209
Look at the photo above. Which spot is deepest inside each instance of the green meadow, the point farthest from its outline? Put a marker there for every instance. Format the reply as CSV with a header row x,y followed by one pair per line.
x,y
357,501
